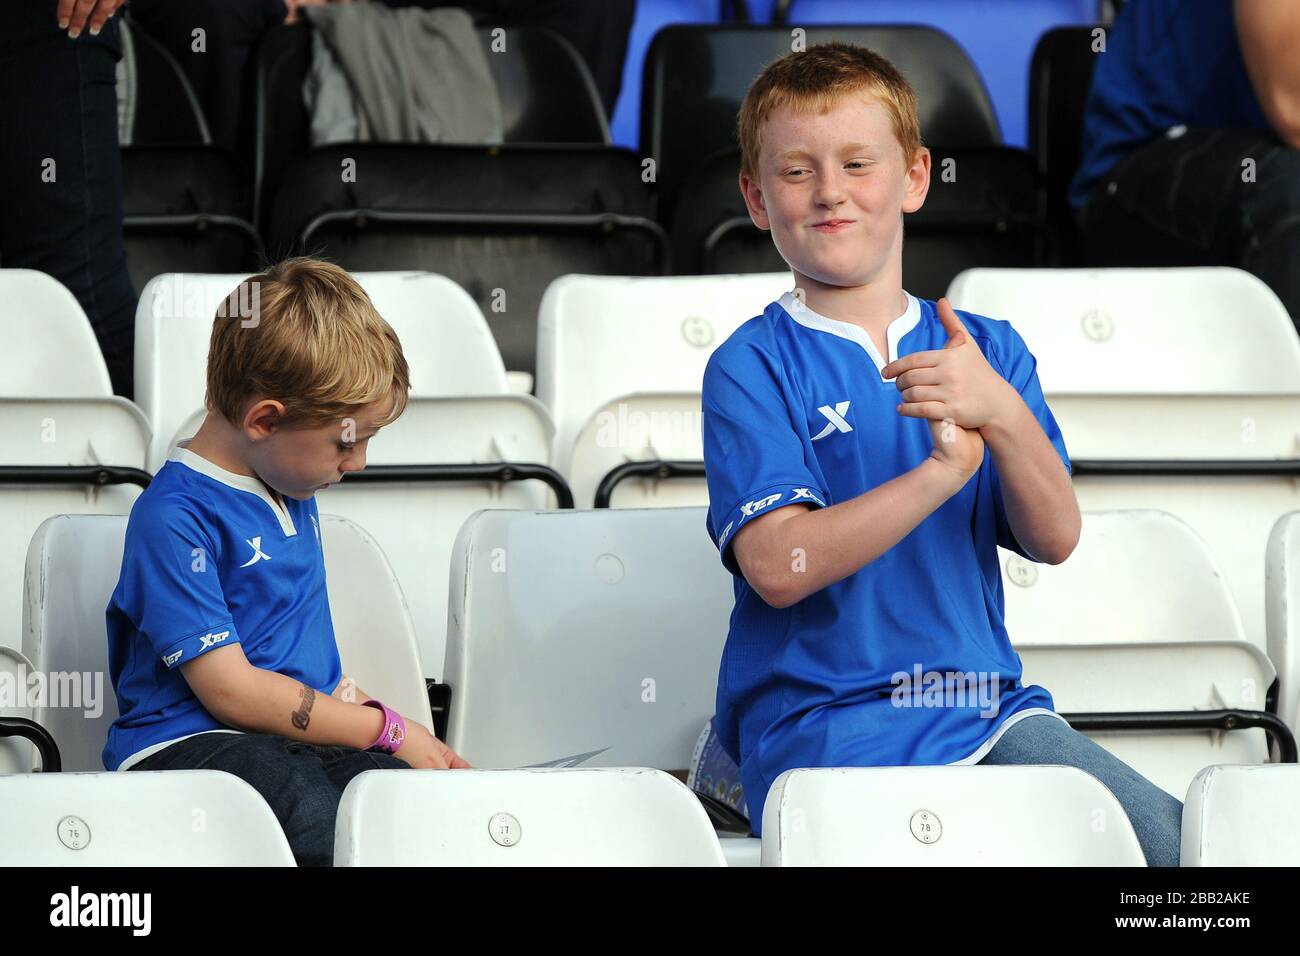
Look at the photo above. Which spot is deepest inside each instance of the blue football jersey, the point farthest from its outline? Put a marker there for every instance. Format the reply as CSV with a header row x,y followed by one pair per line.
x,y
906,661
211,559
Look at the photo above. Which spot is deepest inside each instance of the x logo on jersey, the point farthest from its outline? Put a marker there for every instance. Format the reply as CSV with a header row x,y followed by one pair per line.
x,y
835,420
258,553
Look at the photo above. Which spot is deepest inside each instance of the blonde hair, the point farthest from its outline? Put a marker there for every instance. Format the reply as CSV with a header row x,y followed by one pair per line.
x,y
815,80
304,333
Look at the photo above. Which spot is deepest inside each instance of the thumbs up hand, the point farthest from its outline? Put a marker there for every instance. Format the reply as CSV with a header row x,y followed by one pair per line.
x,y
955,382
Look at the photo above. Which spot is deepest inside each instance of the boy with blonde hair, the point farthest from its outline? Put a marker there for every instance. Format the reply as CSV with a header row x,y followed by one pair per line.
x,y
866,453
221,646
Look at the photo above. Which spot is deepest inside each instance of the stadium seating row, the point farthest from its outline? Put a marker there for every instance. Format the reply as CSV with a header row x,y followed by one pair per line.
x,y
505,220
1159,408
914,816
621,615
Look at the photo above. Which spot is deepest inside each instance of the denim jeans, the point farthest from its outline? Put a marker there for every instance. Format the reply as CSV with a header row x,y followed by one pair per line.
x,y
1226,197
302,783
1156,816
61,172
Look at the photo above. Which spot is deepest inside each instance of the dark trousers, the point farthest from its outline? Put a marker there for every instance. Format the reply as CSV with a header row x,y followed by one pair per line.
x,y
302,783
60,171
1207,197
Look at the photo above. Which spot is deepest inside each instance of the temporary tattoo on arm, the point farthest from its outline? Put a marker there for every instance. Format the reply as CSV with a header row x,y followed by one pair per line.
x,y
302,716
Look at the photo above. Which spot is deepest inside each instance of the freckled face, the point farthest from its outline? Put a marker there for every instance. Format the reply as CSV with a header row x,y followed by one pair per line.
x,y
832,188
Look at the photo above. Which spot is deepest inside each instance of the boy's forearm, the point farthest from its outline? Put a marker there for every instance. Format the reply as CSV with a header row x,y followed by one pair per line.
x,y
350,692
1037,493
268,702
820,547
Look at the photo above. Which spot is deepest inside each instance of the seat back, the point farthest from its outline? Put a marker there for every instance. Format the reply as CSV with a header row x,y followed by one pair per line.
x,y
630,816
1136,367
998,35
31,300
156,101
141,818
57,409
1140,619
584,637
445,340
1242,816
186,209
1282,584
73,565
372,624
416,522
544,87
1060,76
696,77
946,816
602,338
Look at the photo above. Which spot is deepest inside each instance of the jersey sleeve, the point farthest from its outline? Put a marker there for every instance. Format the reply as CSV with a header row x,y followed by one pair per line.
x,y
170,587
754,458
1018,366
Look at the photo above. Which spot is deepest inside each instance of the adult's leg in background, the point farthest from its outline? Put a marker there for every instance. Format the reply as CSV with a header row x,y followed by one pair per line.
x,y
61,173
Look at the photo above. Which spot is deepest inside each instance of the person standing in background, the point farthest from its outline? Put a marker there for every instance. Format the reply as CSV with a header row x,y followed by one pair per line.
x,y
60,170
1191,145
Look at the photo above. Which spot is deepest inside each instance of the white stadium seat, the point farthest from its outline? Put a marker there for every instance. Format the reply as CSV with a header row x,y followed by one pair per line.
x,y
1140,619
32,302
1282,572
445,338
462,411
416,521
945,816
141,818
72,569
1242,816
57,413
585,637
613,346
372,625
630,816
1167,366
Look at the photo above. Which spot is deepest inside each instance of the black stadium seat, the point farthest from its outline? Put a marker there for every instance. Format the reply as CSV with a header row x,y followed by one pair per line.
x,y
187,210
546,92
164,108
696,78
1059,79
186,205
509,218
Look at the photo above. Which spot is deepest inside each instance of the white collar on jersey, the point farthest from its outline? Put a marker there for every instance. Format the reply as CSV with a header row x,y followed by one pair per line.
x,y
239,482
797,310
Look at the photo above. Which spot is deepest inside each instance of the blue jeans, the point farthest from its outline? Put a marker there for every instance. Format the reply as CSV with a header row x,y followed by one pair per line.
x,y
1156,816
302,783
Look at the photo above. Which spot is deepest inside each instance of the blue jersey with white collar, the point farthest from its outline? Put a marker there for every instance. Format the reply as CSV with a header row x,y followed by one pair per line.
x,y
210,560
907,661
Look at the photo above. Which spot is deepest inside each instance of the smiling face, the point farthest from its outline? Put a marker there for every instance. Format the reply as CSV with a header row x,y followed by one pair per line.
x,y
832,187
300,461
